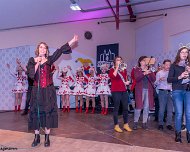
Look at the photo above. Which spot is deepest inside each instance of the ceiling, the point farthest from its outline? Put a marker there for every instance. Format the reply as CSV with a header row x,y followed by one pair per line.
x,y
23,13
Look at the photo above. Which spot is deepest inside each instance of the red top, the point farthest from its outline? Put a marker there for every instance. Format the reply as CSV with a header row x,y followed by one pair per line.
x,y
45,76
117,84
133,79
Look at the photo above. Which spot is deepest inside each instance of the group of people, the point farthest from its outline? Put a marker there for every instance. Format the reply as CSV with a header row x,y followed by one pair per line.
x,y
82,85
88,85
172,85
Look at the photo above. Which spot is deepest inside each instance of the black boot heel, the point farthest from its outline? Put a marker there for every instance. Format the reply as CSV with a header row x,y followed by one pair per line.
x,y
188,137
178,137
47,141
36,140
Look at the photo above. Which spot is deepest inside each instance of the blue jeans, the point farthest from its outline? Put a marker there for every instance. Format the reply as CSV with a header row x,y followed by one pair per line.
x,y
145,107
181,99
165,99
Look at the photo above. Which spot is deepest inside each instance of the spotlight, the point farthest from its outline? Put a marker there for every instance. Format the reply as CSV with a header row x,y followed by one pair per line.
x,y
74,6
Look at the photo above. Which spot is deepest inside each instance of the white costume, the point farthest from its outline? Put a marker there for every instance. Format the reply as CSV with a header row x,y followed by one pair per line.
x,y
103,87
20,85
90,90
78,87
65,88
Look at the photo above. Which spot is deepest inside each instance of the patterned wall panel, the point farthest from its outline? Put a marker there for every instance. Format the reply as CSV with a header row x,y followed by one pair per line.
x,y
160,57
7,81
9,55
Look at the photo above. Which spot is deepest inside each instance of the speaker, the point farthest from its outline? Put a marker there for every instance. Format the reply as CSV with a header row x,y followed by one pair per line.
x,y
88,35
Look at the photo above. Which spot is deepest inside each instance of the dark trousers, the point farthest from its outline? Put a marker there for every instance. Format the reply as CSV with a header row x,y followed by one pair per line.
x,y
156,100
28,96
120,97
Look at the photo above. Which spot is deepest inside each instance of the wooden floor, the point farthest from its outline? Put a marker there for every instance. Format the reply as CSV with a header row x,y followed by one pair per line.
x,y
95,127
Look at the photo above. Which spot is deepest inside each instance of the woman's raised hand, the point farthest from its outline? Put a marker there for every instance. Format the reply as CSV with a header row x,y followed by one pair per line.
x,y
73,42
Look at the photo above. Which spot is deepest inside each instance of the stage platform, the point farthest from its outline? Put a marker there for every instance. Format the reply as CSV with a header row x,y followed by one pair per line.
x,y
87,133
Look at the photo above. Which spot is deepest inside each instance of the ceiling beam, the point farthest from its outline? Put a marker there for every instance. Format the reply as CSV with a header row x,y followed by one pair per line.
x,y
90,19
110,6
130,10
121,5
116,14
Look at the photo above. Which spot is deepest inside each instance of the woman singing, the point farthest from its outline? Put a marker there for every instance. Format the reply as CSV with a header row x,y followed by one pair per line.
x,y
43,104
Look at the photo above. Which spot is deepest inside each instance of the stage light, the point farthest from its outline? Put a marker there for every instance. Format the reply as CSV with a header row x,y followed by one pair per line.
x,y
74,6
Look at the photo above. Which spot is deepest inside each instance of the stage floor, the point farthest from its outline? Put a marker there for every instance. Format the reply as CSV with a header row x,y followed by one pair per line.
x,y
92,132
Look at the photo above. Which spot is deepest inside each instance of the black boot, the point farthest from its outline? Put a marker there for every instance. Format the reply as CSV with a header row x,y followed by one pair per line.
x,y
144,126
36,140
24,113
178,137
188,137
135,126
47,141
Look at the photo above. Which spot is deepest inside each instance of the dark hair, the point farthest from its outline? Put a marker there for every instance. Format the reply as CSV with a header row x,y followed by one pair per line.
x,y
77,73
166,60
37,49
62,74
177,58
114,61
140,59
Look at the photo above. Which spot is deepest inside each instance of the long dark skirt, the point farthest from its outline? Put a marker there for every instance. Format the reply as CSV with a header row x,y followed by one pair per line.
x,y
43,108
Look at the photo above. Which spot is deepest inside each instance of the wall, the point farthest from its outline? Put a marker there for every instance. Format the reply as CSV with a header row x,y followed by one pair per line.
x,y
7,81
56,35
175,24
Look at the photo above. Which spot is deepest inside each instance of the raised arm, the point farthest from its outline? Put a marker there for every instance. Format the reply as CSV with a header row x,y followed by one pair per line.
x,y
65,49
19,64
72,73
138,75
58,73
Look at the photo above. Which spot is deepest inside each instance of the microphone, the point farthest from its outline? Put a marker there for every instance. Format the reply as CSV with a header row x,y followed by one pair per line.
x,y
40,55
148,64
